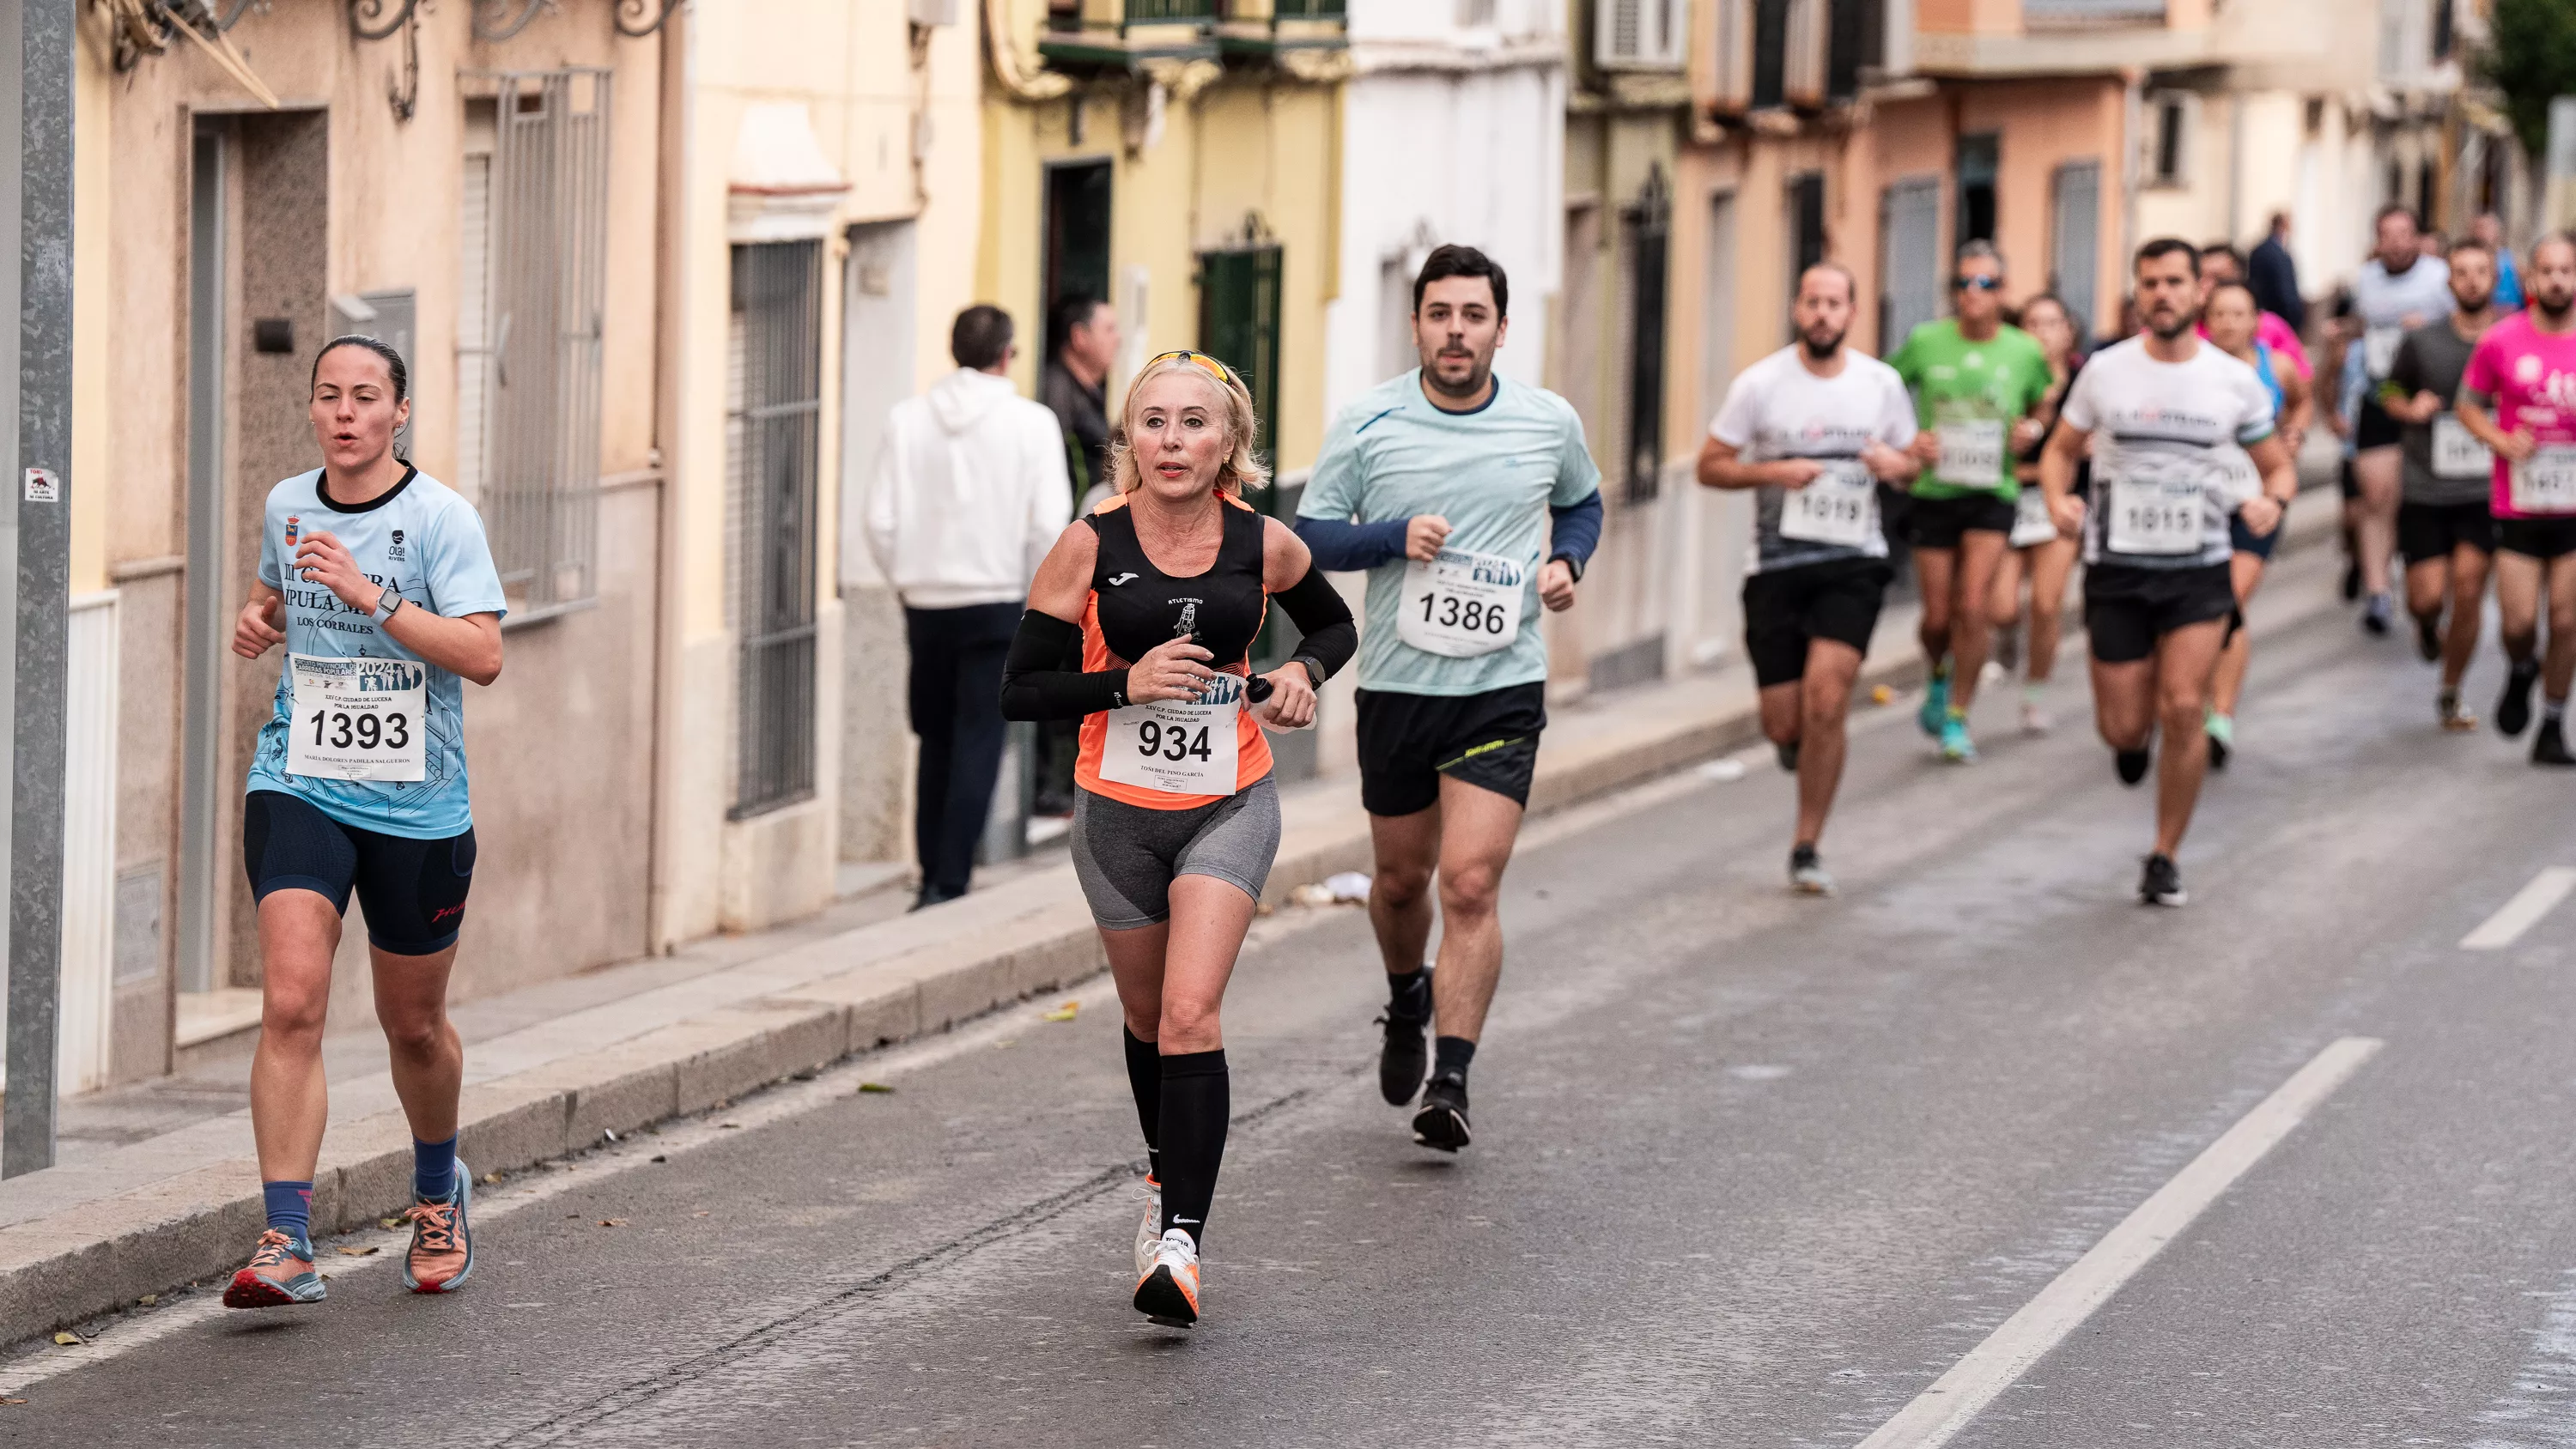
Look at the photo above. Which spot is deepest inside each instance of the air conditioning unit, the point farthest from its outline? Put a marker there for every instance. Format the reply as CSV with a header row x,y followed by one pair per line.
x,y
1640,34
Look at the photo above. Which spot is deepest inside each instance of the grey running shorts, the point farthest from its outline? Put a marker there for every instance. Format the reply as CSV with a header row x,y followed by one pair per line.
x,y
1127,856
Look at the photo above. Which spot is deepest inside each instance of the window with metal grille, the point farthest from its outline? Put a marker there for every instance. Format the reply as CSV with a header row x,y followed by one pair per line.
x,y
1646,227
774,404
1806,216
2075,239
1770,53
1858,46
1909,249
535,228
1239,322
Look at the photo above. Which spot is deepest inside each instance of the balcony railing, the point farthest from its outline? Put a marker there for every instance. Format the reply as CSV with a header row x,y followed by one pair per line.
x,y
2092,12
1309,9
1169,12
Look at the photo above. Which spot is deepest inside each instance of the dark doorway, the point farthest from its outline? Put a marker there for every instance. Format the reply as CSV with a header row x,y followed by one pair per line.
x,y
1075,255
1980,158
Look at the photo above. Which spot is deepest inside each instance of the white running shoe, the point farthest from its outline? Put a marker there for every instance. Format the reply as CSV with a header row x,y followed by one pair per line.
x,y
1149,1232
1993,672
2035,719
1169,1291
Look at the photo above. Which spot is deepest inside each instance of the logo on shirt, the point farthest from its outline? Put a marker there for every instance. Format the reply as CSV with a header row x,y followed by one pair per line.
x,y
1117,579
1189,620
396,550
2526,369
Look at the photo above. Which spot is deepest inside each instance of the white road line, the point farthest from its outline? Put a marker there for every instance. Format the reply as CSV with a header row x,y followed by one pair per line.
x,y
2523,912
1958,1396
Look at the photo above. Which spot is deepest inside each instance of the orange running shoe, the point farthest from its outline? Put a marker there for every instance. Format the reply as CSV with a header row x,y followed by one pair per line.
x,y
442,1245
1169,1291
280,1275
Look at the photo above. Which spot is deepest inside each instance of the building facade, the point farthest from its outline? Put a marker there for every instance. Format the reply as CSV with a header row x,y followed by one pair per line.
x,y
610,241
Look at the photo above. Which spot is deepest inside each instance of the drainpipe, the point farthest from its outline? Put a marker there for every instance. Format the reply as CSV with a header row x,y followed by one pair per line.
x,y
2133,114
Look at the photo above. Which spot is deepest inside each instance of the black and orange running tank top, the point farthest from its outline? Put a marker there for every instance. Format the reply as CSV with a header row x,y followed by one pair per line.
x,y
1135,606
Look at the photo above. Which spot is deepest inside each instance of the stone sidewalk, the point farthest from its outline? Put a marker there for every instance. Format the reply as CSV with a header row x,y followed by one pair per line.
x,y
163,1186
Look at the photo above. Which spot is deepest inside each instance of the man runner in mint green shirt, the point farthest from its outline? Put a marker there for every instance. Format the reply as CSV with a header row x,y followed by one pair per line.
x,y
1975,382
1472,503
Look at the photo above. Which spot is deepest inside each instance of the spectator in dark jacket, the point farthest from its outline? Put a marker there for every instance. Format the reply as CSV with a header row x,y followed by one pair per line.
x,y
2275,277
1084,333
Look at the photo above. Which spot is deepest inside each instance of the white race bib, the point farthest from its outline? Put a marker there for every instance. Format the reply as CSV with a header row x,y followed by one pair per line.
x,y
1461,604
1972,453
2379,350
2546,483
358,719
2031,523
1176,746
2457,453
1839,506
2158,510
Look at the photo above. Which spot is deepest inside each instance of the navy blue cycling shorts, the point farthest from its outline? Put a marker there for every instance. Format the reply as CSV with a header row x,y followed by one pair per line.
x,y
413,891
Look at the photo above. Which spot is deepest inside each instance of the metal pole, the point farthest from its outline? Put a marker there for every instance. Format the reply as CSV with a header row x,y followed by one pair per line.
x,y
44,346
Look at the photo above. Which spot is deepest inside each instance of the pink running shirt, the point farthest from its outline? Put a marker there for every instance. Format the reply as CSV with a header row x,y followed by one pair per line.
x,y
2279,336
2532,377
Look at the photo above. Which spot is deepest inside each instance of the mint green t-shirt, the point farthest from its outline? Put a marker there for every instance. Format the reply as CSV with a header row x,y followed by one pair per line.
x,y
1970,387
1493,473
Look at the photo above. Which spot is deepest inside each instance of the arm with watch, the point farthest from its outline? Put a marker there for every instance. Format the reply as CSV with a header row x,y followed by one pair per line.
x,y
469,647
1574,532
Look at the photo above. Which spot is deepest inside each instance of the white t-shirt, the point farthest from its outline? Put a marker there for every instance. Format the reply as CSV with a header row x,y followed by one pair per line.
x,y
1778,409
2384,302
2163,435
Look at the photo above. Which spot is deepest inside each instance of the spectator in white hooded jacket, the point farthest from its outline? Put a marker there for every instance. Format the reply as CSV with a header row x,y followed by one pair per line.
x,y
970,492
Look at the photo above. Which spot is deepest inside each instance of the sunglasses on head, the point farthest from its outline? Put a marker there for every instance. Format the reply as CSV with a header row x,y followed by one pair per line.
x,y
1981,284
1201,360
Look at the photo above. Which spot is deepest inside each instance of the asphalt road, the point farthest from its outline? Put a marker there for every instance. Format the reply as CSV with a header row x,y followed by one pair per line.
x,y
1750,1170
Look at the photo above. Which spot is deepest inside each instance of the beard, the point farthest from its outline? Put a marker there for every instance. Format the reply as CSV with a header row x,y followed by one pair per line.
x,y
1478,370
2553,308
2476,303
2169,326
1821,344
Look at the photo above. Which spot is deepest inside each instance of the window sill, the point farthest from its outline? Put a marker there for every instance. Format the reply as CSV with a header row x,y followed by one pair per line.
x,y
529,618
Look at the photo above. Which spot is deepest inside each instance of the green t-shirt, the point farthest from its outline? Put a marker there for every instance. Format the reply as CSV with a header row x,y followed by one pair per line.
x,y
1971,392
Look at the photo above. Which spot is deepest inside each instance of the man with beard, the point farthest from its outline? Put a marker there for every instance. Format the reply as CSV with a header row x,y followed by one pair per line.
x,y
2399,290
2157,593
2519,398
1471,503
1816,430
2444,527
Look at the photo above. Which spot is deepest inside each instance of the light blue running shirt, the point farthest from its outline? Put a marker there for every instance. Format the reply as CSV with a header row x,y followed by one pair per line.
x,y
426,544
1493,473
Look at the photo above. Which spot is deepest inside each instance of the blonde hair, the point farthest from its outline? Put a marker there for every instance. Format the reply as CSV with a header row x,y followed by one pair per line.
x,y
1240,470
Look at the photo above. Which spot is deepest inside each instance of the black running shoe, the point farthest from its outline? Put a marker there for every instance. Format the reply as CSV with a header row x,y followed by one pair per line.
x,y
2513,707
2162,883
2428,638
2132,765
2549,747
1442,1122
1788,754
2351,568
2375,616
1406,1055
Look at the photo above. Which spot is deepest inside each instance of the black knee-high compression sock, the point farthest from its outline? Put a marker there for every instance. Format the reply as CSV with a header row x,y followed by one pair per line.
x,y
1195,1107
1145,1080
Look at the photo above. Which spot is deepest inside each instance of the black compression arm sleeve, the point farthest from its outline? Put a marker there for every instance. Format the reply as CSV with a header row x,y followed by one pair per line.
x,y
1037,685
1317,607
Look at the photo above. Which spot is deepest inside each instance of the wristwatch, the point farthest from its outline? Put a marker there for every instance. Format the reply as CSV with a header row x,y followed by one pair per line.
x,y
387,602
1573,565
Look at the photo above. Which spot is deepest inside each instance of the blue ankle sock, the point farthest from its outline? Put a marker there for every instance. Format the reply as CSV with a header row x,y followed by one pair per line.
x,y
290,1207
433,1169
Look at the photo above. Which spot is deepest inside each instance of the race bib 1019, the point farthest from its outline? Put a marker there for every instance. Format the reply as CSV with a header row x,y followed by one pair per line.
x,y
358,719
1839,506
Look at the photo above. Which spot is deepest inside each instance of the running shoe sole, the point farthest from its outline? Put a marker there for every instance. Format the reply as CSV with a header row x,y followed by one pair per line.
x,y
250,1290
464,1234
1160,1298
1439,1125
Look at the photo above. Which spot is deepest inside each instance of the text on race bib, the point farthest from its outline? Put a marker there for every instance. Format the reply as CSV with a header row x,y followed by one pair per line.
x,y
2379,349
358,719
2031,523
2546,481
1178,747
1972,453
1461,604
2457,453
2156,508
1840,506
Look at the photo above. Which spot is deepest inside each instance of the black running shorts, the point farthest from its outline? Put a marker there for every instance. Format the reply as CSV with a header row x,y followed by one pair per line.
x,y
2427,531
1408,741
2127,608
1938,522
1785,609
2375,428
2542,538
413,891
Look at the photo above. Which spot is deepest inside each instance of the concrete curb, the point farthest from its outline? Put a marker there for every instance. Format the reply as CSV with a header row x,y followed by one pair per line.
x,y
88,1257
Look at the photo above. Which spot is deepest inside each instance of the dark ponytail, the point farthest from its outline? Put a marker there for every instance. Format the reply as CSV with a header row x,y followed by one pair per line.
x,y
393,361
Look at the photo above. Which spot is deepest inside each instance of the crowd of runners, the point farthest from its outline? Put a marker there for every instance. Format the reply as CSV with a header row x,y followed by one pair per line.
x,y
1989,444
